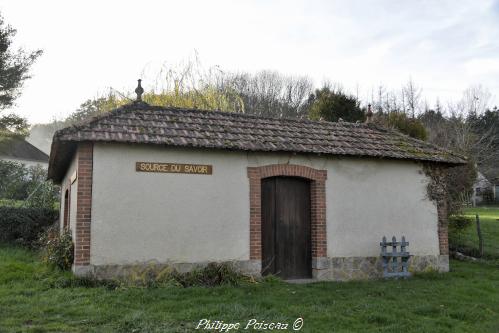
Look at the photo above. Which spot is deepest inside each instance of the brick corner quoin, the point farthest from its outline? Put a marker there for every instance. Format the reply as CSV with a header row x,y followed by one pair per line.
x,y
84,204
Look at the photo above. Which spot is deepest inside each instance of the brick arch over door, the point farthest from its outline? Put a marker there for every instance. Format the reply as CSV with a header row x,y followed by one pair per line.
x,y
317,197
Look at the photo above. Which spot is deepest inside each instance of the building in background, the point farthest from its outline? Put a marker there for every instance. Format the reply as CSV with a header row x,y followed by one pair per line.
x,y
486,187
17,149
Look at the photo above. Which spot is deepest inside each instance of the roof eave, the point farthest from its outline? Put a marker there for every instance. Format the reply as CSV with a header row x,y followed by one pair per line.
x,y
63,150
61,153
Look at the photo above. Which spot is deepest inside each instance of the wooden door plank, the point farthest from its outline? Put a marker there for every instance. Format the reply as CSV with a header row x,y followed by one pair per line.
x,y
293,244
286,228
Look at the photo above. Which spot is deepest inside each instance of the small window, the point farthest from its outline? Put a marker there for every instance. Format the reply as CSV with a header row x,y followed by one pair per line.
x,y
66,210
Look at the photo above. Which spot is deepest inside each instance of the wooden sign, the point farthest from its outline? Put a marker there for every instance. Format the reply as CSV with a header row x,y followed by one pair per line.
x,y
199,169
74,176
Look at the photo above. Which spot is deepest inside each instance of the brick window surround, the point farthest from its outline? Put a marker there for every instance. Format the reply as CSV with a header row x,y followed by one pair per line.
x,y
318,204
83,204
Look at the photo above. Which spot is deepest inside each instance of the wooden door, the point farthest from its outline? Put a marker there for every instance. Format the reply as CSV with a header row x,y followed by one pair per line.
x,y
286,230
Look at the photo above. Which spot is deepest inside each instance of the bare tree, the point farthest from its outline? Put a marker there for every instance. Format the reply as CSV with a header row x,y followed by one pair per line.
x,y
464,131
272,94
411,97
478,144
475,100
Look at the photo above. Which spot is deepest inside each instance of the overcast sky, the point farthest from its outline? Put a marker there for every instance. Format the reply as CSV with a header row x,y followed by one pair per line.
x,y
445,46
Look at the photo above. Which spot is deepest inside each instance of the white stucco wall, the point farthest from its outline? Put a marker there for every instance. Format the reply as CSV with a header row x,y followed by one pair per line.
x,y
138,216
378,198
72,208
72,205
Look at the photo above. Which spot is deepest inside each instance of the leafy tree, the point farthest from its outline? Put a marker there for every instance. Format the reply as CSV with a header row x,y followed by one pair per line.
x,y
95,107
41,193
21,183
14,70
459,182
435,125
331,105
12,181
485,128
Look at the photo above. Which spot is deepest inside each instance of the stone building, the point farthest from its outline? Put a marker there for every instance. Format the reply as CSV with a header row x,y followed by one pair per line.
x,y
296,198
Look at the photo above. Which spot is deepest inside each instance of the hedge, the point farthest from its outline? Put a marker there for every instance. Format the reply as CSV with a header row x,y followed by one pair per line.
x,y
24,225
459,223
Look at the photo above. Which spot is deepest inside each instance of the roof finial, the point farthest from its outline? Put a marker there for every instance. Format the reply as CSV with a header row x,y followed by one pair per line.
x,y
369,114
139,91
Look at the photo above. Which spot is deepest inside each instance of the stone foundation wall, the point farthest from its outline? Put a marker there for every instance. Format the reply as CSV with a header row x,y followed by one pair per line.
x,y
362,268
323,269
108,272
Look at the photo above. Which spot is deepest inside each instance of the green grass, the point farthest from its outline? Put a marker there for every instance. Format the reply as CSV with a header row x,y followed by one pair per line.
x,y
11,203
464,300
489,221
20,203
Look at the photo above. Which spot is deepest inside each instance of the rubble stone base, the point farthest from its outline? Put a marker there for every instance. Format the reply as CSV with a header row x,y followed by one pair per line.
x,y
363,268
108,272
323,269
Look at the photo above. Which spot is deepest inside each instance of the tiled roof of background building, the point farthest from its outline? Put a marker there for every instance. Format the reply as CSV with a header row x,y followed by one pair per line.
x,y
14,147
145,124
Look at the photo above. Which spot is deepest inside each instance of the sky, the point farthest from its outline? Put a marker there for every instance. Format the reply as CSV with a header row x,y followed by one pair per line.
x,y
89,46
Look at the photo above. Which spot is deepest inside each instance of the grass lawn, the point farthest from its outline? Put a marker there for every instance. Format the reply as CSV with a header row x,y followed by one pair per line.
x,y
464,300
489,221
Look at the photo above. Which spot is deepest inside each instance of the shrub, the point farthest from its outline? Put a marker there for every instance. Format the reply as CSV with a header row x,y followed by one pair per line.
x,y
57,248
152,275
213,274
457,227
403,123
24,225
459,223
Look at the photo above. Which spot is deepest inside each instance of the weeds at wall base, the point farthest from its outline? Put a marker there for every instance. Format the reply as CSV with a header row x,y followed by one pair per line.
x,y
156,276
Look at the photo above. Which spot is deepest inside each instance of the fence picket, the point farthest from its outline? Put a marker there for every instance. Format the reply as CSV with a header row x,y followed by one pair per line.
x,y
399,267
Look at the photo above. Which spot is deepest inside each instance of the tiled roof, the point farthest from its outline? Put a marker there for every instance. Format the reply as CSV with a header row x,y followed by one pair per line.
x,y
14,147
491,173
145,124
